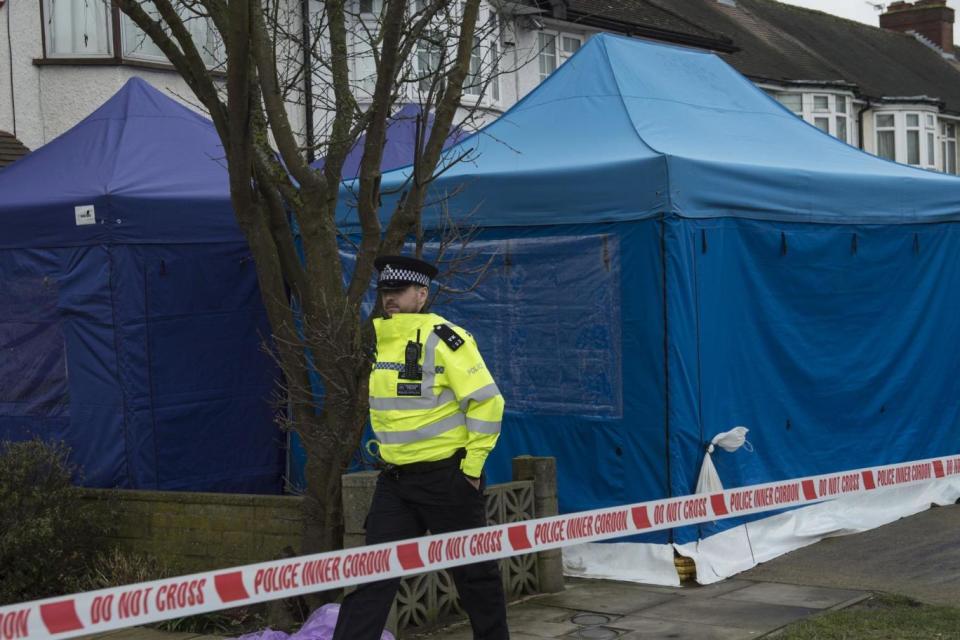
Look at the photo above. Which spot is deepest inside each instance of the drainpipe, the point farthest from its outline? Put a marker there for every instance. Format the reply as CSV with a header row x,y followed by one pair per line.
x,y
860,125
13,101
307,78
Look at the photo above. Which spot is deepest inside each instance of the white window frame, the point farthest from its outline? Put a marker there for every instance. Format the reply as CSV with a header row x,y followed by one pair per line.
x,y
50,14
371,8
363,66
426,53
907,130
929,123
946,142
557,52
833,119
877,129
485,53
829,115
135,44
125,48
842,115
779,95
925,132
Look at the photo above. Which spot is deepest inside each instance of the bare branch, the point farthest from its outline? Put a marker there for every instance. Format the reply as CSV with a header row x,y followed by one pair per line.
x,y
191,68
263,49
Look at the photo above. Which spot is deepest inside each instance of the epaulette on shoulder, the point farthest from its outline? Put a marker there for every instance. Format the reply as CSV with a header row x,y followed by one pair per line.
x,y
449,336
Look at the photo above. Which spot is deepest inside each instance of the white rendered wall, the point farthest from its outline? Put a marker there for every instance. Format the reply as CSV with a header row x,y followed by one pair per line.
x,y
49,99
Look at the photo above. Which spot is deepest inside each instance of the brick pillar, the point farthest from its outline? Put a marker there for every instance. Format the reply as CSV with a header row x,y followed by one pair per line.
x,y
543,472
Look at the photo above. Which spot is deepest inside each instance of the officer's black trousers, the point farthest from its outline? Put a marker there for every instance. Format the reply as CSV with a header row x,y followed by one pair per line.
x,y
406,505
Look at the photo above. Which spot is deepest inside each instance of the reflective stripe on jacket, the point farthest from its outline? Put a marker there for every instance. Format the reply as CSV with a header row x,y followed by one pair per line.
x,y
456,405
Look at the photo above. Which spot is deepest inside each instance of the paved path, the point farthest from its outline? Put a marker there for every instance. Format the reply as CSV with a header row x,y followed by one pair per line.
x,y
729,610
145,633
917,556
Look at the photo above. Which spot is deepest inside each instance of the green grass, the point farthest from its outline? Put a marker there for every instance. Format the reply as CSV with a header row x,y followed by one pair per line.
x,y
881,617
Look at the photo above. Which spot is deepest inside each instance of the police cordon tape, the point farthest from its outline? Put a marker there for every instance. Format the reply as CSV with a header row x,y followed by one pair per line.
x,y
147,602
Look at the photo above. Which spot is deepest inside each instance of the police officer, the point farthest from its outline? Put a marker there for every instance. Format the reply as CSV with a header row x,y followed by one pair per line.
x,y
435,412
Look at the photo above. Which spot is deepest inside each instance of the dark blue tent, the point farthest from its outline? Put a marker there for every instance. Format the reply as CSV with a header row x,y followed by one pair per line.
x,y
130,318
675,254
400,146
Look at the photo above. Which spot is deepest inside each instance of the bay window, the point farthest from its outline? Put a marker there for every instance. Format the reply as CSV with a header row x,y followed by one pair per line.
x,y
829,112
84,29
908,137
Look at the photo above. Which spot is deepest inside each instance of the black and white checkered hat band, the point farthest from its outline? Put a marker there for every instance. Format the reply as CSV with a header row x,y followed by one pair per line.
x,y
392,274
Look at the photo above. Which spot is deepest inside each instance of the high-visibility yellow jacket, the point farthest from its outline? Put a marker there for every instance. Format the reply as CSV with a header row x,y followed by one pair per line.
x,y
456,405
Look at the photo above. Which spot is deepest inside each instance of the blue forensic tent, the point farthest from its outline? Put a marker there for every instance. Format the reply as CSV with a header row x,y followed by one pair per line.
x,y
674,254
130,318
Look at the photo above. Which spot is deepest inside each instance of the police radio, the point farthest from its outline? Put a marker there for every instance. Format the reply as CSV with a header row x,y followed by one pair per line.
x,y
411,358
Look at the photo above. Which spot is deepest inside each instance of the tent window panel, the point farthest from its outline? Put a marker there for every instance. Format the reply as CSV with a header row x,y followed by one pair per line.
x,y
546,362
33,366
77,28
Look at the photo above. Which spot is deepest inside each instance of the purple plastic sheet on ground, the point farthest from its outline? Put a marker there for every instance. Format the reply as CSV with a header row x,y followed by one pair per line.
x,y
319,626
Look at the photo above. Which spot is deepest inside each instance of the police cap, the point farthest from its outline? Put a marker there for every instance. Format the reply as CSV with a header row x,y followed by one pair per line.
x,y
399,272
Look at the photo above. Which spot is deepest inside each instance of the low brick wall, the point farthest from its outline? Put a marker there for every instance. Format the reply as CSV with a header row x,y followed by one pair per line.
x,y
200,531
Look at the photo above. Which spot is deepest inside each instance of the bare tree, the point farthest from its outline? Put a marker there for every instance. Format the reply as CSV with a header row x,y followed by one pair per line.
x,y
422,46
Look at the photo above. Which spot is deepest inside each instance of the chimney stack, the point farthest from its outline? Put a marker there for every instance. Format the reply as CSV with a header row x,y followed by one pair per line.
x,y
932,19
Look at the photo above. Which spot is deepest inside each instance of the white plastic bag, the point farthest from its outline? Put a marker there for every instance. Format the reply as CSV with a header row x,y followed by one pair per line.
x,y
709,480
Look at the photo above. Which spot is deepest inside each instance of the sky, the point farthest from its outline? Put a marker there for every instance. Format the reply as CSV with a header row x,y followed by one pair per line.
x,y
863,10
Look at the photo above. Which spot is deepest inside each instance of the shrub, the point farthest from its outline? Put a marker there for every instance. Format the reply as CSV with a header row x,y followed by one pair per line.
x,y
46,535
117,567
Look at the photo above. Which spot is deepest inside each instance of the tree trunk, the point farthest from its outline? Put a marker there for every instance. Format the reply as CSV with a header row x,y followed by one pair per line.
x,y
329,452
